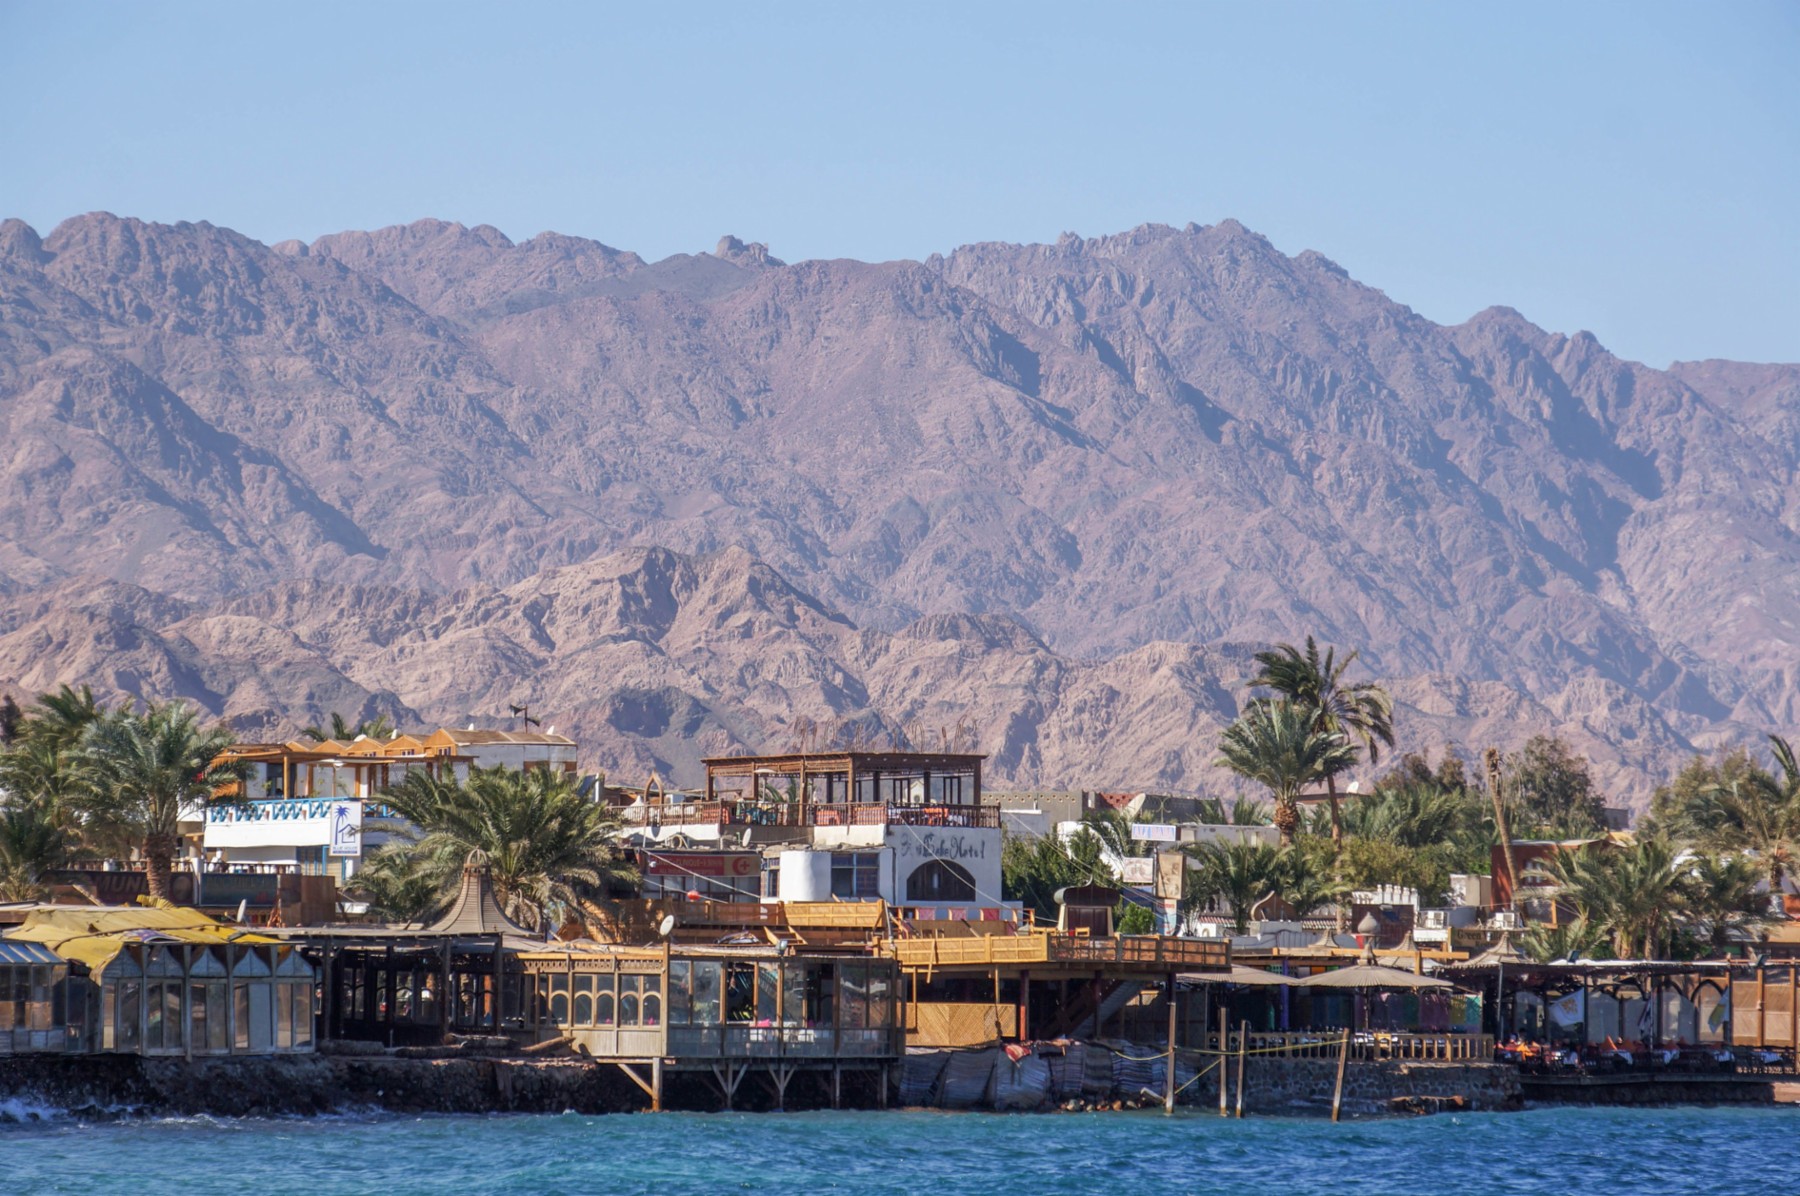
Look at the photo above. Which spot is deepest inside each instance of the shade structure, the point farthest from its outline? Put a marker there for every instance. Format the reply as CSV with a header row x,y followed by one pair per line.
x,y
1239,974
1369,975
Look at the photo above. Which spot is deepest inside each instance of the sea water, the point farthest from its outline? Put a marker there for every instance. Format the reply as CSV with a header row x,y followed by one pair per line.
x,y
1678,1150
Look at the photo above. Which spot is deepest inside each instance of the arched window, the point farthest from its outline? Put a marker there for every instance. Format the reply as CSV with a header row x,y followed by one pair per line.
x,y
940,880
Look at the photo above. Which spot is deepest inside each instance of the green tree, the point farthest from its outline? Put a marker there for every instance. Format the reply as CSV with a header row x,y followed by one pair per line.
x,y
397,885
1552,944
61,717
379,727
1034,867
35,840
1720,898
1238,874
1242,812
140,770
1630,894
1277,744
1551,792
548,849
1304,880
1359,713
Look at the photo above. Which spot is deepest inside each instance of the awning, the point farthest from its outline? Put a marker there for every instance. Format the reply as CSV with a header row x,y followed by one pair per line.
x,y
27,954
94,935
1368,975
1239,974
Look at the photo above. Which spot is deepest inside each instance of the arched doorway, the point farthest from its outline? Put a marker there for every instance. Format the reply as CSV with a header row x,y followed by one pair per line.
x,y
939,881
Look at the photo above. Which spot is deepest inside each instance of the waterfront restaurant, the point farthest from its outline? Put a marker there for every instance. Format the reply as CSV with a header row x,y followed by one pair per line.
x,y
171,981
33,999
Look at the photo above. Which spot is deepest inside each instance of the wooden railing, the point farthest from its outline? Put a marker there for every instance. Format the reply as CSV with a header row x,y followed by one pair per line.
x,y
767,813
1364,1045
1147,952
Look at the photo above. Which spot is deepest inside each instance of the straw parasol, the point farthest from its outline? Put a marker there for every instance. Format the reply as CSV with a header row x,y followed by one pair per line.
x,y
1372,975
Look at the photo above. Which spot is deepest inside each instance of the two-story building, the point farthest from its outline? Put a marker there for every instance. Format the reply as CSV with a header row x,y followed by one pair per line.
x,y
315,807
907,828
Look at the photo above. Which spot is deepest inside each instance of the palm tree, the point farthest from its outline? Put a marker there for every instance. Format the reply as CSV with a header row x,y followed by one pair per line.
x,y
1242,812
1241,874
35,840
547,847
61,717
1360,713
1279,745
1303,886
1411,814
141,771
1720,896
1630,894
379,727
1571,940
36,768
1757,814
396,886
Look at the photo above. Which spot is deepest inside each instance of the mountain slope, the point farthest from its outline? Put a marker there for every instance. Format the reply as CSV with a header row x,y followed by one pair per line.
x,y
1139,452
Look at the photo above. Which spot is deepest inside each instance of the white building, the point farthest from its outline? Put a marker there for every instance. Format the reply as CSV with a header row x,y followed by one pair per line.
x,y
316,807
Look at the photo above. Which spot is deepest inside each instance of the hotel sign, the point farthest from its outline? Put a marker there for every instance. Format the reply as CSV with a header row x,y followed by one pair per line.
x,y
332,823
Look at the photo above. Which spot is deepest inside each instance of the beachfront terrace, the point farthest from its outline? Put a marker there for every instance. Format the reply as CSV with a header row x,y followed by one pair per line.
x,y
738,811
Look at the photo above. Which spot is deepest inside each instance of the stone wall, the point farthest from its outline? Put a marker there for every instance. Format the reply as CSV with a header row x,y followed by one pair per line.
x,y
1275,1085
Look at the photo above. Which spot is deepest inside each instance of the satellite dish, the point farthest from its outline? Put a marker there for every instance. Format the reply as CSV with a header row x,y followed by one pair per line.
x,y
667,926
1355,786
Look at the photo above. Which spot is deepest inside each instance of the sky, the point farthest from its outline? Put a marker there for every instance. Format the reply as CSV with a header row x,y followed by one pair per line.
x,y
1628,169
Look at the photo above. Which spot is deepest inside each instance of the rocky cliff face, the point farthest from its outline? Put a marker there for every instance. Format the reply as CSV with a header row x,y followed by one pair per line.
x,y
1052,493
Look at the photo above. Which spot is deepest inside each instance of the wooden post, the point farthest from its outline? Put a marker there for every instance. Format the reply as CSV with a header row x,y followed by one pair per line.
x,y
1762,979
1337,1093
1024,1005
1169,1069
656,1078
1794,1011
1219,1062
1243,1047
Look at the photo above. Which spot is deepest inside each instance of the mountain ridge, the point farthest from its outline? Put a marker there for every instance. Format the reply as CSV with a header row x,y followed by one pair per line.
x,y
1163,436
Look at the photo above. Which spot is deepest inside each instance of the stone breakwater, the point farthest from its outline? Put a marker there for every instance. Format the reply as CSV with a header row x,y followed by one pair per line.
x,y
445,1080
122,1085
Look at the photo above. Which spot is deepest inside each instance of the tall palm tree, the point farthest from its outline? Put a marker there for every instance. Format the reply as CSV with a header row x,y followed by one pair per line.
x,y
1757,813
1278,744
1303,886
1361,713
547,847
141,771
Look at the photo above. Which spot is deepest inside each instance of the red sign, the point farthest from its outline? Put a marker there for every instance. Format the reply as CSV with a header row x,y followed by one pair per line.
x,y
702,863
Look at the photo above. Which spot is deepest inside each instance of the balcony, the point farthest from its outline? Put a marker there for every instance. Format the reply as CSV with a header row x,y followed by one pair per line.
x,y
767,813
1127,952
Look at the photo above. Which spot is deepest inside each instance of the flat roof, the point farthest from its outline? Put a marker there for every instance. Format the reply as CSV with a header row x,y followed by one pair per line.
x,y
875,761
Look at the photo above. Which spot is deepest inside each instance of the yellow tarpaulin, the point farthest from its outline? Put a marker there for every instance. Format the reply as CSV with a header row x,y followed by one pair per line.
x,y
94,935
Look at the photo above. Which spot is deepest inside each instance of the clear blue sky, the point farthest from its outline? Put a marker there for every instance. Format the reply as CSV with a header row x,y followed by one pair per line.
x,y
1632,169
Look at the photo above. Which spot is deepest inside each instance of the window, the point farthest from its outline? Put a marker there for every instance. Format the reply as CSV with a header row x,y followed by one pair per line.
x,y
130,993
855,875
628,1000
605,1008
240,1004
559,999
940,880
584,999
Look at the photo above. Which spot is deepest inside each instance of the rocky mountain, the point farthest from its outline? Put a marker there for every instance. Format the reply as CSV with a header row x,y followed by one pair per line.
x,y
1052,494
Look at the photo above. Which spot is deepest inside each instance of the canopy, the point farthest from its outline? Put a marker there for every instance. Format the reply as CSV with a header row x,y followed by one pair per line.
x,y
1239,974
94,935
1369,975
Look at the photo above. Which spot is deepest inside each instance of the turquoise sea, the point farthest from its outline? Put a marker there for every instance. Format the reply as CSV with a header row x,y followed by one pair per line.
x,y
1724,1150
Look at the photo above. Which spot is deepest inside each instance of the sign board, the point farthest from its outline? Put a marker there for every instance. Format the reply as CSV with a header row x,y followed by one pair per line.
x,y
1170,869
335,823
1153,832
709,864
1137,870
346,829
